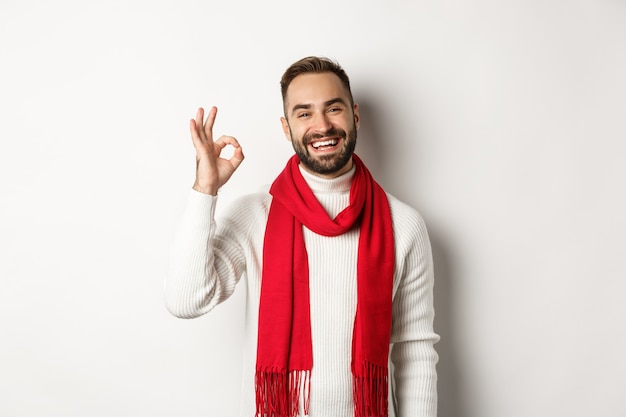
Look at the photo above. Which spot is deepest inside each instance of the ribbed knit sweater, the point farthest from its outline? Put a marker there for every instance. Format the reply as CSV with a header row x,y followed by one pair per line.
x,y
208,259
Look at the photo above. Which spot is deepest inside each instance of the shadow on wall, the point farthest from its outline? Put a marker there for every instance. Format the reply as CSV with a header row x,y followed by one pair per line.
x,y
448,370
373,149
369,141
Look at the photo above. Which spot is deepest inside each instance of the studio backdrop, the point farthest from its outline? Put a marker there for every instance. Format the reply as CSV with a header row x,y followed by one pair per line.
x,y
501,122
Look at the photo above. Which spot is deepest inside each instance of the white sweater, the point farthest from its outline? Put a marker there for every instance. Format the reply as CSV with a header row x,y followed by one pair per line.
x,y
208,259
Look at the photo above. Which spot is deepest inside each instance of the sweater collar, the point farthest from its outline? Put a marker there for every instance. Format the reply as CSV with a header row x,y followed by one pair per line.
x,y
341,184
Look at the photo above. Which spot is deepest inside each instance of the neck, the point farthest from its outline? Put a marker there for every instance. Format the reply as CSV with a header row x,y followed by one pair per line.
x,y
347,167
320,185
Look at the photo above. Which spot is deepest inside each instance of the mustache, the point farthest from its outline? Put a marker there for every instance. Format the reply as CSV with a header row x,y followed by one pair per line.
x,y
330,132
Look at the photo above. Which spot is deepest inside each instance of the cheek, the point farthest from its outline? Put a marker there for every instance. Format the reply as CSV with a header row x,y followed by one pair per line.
x,y
348,122
297,132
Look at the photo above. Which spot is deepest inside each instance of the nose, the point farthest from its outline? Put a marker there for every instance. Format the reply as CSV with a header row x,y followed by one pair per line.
x,y
322,123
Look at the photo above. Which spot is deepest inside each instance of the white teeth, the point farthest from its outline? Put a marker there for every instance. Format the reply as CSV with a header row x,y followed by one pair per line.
x,y
331,142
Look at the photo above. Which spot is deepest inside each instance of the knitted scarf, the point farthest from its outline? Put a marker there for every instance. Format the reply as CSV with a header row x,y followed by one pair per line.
x,y
284,349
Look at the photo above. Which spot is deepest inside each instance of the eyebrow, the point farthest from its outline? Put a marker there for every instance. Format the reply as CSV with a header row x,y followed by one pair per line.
x,y
328,103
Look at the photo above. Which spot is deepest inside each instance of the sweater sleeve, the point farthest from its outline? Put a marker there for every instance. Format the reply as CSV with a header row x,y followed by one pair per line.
x,y
204,267
413,355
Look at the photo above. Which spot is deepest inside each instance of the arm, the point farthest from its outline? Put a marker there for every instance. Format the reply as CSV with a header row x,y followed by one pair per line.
x,y
412,354
204,266
203,269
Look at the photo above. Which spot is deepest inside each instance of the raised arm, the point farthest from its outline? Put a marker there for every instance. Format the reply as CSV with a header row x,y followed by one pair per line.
x,y
203,270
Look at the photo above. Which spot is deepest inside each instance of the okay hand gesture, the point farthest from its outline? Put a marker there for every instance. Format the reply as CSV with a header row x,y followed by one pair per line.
x,y
212,171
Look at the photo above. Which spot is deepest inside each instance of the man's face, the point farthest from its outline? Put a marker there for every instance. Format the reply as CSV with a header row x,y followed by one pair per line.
x,y
321,124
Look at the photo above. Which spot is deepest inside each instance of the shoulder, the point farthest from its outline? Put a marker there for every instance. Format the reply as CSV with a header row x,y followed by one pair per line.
x,y
256,200
248,207
409,226
404,215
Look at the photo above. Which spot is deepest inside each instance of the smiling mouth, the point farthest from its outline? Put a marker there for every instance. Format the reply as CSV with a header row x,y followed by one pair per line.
x,y
325,144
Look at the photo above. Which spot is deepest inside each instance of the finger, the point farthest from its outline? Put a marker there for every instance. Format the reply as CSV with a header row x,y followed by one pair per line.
x,y
238,155
193,129
227,140
210,120
200,123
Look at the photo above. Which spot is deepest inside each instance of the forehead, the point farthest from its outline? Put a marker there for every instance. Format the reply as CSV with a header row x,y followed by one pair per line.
x,y
315,88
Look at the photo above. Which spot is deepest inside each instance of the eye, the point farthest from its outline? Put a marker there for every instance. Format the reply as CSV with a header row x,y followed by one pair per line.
x,y
302,115
334,110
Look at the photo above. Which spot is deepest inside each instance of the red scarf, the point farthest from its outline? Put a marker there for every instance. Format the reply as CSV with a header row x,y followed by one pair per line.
x,y
284,350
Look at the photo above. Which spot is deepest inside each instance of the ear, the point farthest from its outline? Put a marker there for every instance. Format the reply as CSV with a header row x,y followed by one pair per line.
x,y
357,118
286,130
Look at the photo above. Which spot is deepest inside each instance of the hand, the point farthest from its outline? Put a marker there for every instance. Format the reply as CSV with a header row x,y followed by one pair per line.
x,y
212,171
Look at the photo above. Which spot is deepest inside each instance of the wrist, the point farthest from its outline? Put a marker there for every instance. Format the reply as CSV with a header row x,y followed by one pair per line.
x,y
205,190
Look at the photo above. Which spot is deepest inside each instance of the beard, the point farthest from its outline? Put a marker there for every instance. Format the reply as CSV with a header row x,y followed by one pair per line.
x,y
326,164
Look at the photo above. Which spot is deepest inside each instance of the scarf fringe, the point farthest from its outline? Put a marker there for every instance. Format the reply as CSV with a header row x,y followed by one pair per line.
x,y
370,391
278,394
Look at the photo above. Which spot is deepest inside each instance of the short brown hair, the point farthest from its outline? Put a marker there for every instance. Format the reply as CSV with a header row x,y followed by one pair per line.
x,y
314,64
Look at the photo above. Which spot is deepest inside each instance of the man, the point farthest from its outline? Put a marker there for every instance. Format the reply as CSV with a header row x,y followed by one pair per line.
x,y
339,274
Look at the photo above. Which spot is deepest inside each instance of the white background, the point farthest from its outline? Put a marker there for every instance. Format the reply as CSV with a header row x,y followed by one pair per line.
x,y
502,122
